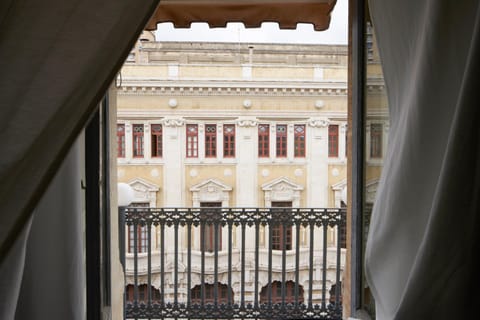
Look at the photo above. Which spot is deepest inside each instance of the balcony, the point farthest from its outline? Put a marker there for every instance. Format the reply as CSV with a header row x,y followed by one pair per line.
x,y
224,263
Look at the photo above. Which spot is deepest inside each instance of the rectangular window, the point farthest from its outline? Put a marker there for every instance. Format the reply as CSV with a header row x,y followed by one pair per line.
x,y
138,140
333,141
120,140
229,140
211,213
141,233
142,245
210,141
263,140
157,145
278,231
281,140
192,141
376,130
299,141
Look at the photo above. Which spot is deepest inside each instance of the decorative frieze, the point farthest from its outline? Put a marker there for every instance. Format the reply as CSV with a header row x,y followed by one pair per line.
x,y
318,122
173,122
247,123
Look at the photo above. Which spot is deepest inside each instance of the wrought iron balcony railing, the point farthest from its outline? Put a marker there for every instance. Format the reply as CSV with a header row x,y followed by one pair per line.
x,y
224,263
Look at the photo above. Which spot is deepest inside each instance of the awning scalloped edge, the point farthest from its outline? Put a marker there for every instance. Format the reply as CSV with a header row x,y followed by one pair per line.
x,y
287,13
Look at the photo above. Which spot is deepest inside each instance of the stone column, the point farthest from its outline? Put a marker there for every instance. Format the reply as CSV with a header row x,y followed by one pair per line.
x,y
173,176
317,163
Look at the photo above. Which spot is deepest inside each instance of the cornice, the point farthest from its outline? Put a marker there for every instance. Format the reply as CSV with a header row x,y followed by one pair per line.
x,y
174,90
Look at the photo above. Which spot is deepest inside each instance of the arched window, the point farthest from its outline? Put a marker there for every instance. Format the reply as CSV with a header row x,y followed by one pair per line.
x,y
222,293
277,293
142,293
333,290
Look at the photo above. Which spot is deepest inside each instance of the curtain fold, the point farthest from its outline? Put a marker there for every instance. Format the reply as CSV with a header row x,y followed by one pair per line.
x,y
423,240
57,59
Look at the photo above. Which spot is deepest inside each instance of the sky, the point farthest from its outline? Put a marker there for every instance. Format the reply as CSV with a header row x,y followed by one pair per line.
x,y
269,32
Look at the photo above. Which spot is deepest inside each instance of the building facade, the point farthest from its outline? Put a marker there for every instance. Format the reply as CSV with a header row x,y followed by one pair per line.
x,y
233,125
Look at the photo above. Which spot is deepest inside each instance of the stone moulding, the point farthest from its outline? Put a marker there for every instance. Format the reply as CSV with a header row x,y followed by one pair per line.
x,y
231,91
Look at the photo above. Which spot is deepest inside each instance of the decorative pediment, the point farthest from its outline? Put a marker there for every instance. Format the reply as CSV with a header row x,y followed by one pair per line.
x,y
210,190
144,191
280,184
340,192
211,185
371,190
282,189
340,185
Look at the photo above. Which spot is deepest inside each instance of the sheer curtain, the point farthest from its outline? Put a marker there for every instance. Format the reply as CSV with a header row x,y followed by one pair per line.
x,y
420,256
57,59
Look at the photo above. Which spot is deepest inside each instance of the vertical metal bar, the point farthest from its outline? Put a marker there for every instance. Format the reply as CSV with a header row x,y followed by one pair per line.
x,y
105,172
202,271
175,285
270,249
215,263
121,235
122,245
310,271
337,268
284,260
242,302
324,265
257,242
135,261
357,78
149,262
189,263
297,261
93,217
230,262
162,263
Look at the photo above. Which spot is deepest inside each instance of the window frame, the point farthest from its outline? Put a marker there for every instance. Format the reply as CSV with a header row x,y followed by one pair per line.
x,y
121,140
300,146
333,140
264,141
138,140
142,233
376,140
191,145
281,141
156,140
278,230
210,141
276,287
142,239
222,293
142,291
210,228
229,141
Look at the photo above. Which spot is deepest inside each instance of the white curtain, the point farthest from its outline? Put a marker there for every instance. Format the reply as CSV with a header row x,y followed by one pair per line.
x,y
423,241
57,59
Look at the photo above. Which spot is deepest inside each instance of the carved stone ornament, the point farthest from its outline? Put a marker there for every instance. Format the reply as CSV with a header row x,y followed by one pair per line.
x,y
319,123
210,190
247,123
371,191
282,189
173,122
144,191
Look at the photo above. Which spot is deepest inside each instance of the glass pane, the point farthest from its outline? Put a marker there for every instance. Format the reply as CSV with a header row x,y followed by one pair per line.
x,y
376,137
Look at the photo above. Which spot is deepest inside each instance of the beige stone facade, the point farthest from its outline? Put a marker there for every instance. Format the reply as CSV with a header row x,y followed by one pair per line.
x,y
293,98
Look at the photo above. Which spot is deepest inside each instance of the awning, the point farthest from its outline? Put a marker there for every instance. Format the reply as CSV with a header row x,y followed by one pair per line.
x,y
217,13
